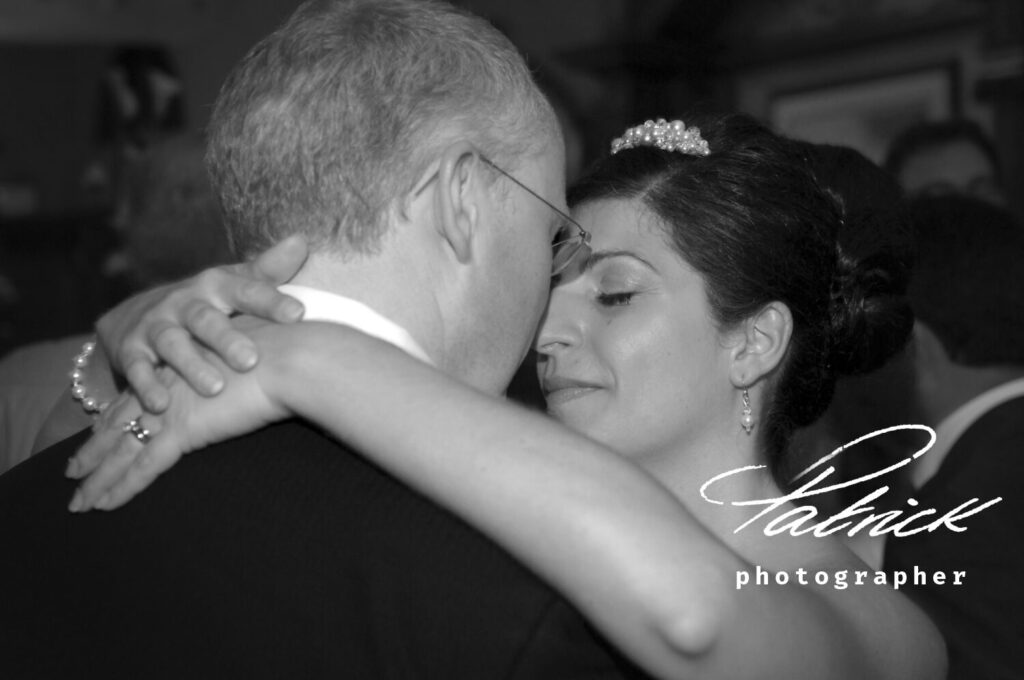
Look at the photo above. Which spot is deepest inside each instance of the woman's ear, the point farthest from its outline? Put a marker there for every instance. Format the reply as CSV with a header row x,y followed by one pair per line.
x,y
761,345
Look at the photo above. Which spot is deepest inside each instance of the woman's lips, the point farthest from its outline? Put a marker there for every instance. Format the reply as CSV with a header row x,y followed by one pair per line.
x,y
558,390
568,394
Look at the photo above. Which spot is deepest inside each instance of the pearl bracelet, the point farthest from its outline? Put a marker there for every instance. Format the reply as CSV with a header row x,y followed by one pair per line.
x,y
78,390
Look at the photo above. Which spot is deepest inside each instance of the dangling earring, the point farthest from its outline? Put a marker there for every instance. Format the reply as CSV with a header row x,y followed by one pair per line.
x,y
747,419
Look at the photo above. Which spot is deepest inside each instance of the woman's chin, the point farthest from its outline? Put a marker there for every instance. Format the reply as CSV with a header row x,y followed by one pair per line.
x,y
590,422
613,433
573,419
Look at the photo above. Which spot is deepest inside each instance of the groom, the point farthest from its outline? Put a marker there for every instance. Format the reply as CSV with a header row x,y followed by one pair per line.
x,y
361,124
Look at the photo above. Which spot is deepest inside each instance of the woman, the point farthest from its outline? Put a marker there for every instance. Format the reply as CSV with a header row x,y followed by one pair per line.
x,y
709,318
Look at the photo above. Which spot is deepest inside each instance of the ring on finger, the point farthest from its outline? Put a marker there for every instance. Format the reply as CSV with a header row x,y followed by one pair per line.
x,y
135,428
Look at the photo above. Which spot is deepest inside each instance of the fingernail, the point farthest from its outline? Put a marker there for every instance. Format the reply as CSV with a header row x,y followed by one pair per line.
x,y
153,402
76,502
246,356
72,468
211,383
205,381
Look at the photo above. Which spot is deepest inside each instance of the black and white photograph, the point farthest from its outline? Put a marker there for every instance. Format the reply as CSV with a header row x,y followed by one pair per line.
x,y
473,339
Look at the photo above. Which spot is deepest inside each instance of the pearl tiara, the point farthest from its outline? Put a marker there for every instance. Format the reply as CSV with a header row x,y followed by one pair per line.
x,y
670,136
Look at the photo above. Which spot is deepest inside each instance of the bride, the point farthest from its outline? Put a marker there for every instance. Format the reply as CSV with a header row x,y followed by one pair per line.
x,y
707,318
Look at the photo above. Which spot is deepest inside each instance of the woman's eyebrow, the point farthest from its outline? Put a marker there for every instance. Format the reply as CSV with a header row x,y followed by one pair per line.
x,y
601,255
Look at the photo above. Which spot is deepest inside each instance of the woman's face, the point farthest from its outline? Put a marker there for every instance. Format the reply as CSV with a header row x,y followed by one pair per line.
x,y
628,352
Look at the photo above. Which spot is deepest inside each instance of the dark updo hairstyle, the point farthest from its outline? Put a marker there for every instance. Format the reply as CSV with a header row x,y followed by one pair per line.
x,y
753,220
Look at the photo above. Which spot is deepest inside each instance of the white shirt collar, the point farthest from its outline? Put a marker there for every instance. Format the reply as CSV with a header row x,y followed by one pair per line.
x,y
956,423
323,306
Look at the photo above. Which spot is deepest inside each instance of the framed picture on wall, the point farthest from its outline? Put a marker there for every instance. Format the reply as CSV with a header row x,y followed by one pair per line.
x,y
866,113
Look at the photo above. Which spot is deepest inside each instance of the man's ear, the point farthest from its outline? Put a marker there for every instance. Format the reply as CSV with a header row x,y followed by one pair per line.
x,y
456,198
760,344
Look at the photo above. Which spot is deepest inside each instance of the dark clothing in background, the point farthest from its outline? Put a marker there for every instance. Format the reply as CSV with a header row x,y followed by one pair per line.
x,y
276,555
983,618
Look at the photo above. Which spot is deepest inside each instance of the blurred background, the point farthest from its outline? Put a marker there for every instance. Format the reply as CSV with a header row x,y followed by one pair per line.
x,y
93,91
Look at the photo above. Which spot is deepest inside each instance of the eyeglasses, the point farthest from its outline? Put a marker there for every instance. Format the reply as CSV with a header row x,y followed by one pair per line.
x,y
565,250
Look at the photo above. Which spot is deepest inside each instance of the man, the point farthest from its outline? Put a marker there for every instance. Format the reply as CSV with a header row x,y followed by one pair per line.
x,y
968,384
953,156
376,128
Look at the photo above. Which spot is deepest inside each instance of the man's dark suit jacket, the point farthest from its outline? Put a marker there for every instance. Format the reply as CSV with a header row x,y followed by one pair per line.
x,y
982,619
275,555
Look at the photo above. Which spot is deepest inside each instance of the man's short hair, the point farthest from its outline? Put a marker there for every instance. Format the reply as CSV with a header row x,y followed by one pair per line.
x,y
932,134
341,109
968,282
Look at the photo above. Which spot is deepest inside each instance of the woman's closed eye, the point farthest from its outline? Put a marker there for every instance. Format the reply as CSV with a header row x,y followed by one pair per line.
x,y
615,299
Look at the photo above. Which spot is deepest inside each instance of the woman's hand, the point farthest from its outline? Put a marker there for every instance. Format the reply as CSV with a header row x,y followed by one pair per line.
x,y
116,465
172,323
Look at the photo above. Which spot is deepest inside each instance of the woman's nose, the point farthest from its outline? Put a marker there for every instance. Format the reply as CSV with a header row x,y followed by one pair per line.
x,y
561,326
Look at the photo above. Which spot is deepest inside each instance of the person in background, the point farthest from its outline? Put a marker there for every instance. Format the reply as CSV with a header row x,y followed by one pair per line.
x,y
942,157
173,230
967,382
